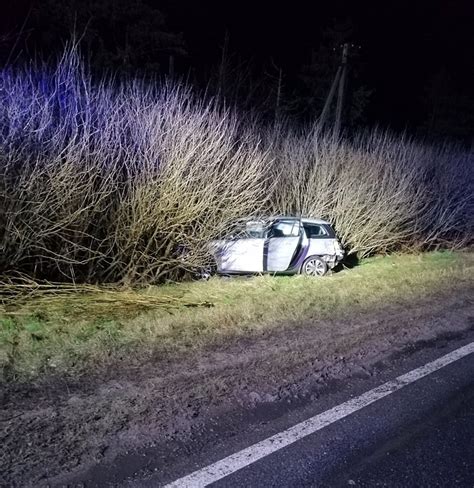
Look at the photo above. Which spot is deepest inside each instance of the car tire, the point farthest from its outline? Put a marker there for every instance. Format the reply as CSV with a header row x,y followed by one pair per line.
x,y
314,266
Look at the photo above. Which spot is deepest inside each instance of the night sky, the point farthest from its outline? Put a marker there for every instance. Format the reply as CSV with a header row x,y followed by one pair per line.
x,y
406,48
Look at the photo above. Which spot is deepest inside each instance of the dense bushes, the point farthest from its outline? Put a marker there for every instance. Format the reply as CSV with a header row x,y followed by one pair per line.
x,y
103,183
109,182
382,192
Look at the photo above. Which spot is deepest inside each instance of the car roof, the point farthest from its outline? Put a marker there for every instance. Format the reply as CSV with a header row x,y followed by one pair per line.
x,y
305,220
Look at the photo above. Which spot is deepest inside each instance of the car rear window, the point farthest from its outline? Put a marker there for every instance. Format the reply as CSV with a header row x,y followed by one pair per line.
x,y
315,230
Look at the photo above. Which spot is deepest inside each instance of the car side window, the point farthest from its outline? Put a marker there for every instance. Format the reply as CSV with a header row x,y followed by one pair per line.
x,y
285,229
315,231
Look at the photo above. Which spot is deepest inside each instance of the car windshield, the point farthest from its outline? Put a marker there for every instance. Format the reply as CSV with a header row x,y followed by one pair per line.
x,y
255,230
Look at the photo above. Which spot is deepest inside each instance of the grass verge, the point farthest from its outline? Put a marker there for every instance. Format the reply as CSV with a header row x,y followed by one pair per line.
x,y
75,333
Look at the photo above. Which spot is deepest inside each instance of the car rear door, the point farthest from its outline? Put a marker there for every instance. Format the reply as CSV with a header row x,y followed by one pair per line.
x,y
283,240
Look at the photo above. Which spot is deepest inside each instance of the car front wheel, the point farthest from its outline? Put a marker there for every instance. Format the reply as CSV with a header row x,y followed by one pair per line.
x,y
314,266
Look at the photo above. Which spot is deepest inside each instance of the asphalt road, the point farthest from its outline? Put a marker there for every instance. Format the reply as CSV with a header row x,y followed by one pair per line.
x,y
419,436
437,452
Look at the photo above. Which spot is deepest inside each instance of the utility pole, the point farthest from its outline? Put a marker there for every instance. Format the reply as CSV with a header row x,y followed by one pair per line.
x,y
171,66
340,93
328,102
223,65
339,84
278,95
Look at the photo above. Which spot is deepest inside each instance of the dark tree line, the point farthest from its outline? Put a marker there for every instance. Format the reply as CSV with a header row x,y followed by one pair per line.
x,y
129,36
136,38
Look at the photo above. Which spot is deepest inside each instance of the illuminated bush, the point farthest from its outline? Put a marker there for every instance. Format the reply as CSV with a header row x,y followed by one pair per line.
x,y
381,192
112,183
125,182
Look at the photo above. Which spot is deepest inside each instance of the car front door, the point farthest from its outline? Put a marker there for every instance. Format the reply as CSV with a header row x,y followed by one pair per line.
x,y
282,243
242,253
241,256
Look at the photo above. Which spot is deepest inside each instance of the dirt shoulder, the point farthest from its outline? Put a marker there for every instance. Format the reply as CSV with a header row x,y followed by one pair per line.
x,y
56,427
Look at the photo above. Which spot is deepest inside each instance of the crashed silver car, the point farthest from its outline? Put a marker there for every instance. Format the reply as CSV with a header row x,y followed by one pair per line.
x,y
284,245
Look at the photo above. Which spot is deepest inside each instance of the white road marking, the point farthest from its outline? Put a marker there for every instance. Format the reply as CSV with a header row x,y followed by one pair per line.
x,y
241,459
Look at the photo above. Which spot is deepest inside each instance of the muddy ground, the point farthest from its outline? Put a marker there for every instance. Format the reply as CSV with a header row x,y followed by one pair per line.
x,y
60,426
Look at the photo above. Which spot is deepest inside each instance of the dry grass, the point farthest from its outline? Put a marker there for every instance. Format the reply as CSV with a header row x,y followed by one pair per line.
x,y
25,296
72,333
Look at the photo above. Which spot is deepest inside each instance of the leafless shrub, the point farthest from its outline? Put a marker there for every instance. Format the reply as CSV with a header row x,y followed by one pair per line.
x,y
127,183
381,192
117,184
